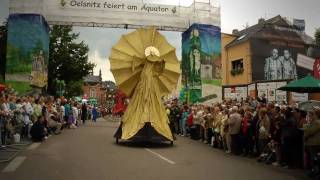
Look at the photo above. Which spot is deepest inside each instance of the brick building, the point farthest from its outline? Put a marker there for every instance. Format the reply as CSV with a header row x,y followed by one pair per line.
x,y
96,90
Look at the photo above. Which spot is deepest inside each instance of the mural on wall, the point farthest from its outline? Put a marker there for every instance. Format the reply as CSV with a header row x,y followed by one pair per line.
x,y
27,51
201,58
280,67
275,53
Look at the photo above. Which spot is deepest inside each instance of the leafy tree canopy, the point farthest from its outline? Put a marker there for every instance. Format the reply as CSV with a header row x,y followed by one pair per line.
x,y
68,60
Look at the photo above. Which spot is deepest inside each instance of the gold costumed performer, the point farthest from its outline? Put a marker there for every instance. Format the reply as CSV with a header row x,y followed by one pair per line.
x,y
145,68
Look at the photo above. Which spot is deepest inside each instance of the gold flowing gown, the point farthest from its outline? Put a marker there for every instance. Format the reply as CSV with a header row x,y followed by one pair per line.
x,y
146,68
146,106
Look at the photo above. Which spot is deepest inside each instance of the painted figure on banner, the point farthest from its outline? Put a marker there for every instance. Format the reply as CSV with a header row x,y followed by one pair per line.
x,y
39,75
273,66
289,70
195,58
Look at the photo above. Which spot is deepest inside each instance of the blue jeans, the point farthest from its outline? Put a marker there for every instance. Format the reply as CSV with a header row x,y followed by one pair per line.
x,y
183,127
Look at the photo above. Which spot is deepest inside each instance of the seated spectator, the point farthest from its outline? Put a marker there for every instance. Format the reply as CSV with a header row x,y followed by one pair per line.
x,y
53,123
38,131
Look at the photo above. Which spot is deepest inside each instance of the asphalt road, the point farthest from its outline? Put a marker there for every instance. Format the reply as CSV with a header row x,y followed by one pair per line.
x,y
90,153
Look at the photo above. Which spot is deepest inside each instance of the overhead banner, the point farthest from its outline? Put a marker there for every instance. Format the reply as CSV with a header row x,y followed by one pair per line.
x,y
275,53
201,57
27,51
121,6
121,13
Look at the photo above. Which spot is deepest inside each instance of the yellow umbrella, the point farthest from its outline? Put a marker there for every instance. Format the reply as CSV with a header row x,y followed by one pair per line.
x,y
145,68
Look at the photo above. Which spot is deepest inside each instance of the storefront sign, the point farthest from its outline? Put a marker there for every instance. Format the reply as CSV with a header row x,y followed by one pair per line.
x,y
305,62
299,97
316,68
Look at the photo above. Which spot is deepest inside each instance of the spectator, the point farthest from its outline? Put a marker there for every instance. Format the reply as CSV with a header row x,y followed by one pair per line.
x,y
84,112
234,123
54,124
288,136
312,135
94,114
38,131
263,127
246,145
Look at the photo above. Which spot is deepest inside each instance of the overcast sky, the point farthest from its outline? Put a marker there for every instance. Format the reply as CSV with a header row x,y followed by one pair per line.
x,y
235,14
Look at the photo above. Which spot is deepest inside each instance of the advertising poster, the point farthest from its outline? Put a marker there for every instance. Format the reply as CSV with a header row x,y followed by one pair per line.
x,y
27,51
281,95
236,93
201,58
229,93
252,90
274,55
241,93
271,92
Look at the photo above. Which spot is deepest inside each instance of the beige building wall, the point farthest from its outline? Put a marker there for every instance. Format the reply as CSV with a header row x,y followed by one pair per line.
x,y
239,51
225,39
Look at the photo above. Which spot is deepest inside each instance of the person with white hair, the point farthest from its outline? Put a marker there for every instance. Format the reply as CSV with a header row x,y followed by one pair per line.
x,y
234,123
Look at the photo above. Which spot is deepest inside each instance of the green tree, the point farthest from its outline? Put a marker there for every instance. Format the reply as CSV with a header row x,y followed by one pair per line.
x,y
68,60
317,37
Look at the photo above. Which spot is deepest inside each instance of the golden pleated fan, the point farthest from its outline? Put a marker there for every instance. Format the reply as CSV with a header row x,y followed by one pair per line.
x,y
145,67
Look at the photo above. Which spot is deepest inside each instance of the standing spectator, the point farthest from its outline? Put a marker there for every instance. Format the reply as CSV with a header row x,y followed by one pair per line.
x,y
312,135
94,113
263,127
245,133
276,134
75,113
176,117
183,121
288,136
234,123
84,112
67,111
224,131
216,127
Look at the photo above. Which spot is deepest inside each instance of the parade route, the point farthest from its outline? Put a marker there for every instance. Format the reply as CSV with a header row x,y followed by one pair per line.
x,y
90,152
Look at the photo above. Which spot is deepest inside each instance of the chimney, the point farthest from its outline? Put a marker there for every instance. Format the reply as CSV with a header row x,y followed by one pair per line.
x,y
261,21
100,75
235,31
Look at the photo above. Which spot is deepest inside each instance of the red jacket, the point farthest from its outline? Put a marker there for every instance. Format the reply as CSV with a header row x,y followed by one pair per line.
x,y
190,120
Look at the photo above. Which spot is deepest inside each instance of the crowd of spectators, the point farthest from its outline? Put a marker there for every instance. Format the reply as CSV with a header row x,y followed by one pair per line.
x,y
276,134
37,118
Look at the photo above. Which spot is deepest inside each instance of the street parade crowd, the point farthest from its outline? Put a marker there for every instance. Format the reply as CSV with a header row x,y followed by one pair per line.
x,y
276,134
27,117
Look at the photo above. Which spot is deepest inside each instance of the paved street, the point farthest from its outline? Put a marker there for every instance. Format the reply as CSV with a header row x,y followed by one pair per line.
x,y
89,152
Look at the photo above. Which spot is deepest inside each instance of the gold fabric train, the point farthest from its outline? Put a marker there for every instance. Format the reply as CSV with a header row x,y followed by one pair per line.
x,y
145,68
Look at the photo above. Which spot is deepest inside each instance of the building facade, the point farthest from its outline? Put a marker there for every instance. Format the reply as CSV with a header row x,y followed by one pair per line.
x,y
96,90
262,58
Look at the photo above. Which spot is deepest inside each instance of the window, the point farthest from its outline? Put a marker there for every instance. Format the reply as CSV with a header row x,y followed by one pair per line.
x,y
237,67
237,64
92,93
